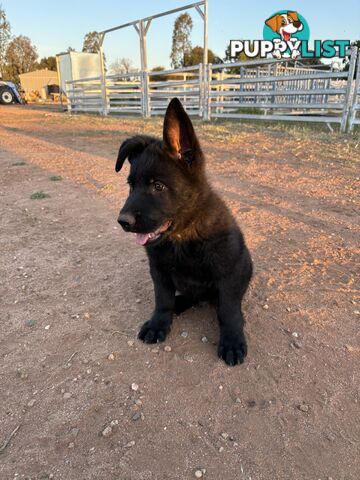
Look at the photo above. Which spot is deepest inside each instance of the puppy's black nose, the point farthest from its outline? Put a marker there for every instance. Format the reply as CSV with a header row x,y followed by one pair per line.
x,y
127,221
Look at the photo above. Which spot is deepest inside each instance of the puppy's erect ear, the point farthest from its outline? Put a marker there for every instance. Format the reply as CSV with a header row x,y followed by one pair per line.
x,y
179,135
130,148
274,22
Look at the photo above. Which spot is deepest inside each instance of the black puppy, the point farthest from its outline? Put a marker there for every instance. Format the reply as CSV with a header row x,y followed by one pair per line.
x,y
192,241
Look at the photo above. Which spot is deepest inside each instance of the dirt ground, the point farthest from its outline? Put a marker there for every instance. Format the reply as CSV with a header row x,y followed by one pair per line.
x,y
90,400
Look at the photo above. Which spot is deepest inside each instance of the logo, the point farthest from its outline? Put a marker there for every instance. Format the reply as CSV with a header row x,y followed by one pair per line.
x,y
286,34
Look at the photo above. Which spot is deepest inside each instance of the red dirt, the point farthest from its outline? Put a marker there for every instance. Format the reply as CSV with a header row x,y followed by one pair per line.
x,y
73,286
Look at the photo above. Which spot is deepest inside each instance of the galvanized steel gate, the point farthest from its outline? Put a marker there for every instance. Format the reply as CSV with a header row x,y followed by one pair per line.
x,y
259,89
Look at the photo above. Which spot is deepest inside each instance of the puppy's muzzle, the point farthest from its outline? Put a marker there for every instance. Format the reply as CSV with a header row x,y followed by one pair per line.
x,y
127,221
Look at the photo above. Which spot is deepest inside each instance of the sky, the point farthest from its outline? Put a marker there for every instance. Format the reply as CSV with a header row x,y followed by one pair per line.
x,y
53,27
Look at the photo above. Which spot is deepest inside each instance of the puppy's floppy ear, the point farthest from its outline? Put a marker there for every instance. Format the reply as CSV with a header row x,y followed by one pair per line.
x,y
130,148
274,22
178,134
293,16
296,21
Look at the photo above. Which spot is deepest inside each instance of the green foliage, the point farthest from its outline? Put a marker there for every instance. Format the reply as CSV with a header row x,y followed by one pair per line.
x,y
47,62
39,195
56,178
181,44
21,56
5,34
195,56
92,42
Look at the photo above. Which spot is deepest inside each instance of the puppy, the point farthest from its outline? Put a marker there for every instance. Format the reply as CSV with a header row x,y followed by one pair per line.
x,y
285,25
195,249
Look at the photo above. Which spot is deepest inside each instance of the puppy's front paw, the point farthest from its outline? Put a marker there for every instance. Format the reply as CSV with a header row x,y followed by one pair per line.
x,y
232,348
152,332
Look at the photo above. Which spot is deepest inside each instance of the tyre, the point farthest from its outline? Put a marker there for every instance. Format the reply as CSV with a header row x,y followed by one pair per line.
x,y
6,96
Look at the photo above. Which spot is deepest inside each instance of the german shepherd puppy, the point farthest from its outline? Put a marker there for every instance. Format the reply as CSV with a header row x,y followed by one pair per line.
x,y
195,249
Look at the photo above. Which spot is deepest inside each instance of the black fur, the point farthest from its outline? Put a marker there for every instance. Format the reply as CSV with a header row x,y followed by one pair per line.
x,y
197,249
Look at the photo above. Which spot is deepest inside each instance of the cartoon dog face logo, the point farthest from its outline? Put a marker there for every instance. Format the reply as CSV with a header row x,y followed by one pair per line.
x,y
285,24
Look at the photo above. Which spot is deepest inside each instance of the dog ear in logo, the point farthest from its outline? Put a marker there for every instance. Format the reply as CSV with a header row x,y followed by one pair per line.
x,y
274,22
295,18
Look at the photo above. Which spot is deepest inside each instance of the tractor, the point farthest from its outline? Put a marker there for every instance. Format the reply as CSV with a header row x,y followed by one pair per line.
x,y
9,93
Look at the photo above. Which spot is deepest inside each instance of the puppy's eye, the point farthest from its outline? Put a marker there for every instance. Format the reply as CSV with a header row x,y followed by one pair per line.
x,y
283,22
158,186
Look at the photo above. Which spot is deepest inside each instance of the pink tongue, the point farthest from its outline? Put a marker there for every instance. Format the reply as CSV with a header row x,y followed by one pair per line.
x,y
142,238
286,36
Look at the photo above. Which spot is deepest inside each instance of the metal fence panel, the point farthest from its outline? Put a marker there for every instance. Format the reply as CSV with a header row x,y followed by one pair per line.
x,y
266,89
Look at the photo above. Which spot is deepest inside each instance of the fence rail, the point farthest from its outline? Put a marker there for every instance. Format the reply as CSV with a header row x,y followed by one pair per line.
x,y
267,89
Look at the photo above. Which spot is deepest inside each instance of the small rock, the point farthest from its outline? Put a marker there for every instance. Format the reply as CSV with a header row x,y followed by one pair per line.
x,y
204,340
266,306
167,348
31,402
29,323
75,431
86,315
184,334
225,435
221,449
220,387
114,422
67,395
303,407
198,474
135,387
295,335
47,327
238,400
138,402
188,358
138,300
130,444
107,431
130,343
155,350
71,445
136,416
111,357
288,309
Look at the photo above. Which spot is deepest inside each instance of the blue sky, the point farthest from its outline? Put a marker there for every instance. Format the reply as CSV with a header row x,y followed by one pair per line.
x,y
53,27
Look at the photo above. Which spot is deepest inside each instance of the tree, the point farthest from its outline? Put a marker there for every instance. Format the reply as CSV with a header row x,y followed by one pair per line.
x,y
121,65
196,55
158,78
5,33
181,44
20,57
70,49
47,62
92,42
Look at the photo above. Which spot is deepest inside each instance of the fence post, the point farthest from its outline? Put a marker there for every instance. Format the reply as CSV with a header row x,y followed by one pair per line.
x,y
201,90
145,94
207,85
348,96
353,102
103,82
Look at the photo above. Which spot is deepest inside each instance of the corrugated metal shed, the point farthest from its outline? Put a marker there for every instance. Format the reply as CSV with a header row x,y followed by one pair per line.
x,y
38,80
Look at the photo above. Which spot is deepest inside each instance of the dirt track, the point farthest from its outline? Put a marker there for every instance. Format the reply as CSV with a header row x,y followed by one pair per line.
x,y
73,286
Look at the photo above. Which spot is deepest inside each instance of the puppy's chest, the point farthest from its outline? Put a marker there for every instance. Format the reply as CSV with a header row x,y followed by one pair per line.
x,y
190,264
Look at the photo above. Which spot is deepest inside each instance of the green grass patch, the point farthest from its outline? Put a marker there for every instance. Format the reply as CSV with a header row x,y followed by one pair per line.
x,y
18,164
39,195
56,178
